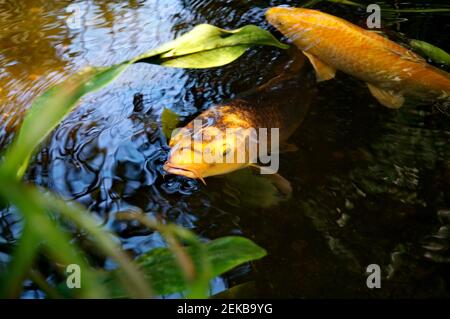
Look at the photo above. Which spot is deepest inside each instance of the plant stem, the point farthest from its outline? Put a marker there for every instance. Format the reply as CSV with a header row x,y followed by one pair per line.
x,y
183,259
39,280
22,260
132,279
200,280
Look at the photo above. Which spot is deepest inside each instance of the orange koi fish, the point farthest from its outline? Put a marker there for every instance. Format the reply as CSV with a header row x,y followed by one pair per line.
x,y
390,70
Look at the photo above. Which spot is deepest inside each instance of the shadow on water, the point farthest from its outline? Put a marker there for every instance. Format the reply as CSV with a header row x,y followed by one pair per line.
x,y
370,185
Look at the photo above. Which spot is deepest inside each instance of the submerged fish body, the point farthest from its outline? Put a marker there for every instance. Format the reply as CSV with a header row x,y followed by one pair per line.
x,y
281,103
390,70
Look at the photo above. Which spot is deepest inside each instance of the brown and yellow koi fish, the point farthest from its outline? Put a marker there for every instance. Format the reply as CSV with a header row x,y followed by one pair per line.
x,y
281,103
390,70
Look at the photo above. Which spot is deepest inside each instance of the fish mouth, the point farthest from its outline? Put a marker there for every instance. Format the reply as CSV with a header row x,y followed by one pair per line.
x,y
178,170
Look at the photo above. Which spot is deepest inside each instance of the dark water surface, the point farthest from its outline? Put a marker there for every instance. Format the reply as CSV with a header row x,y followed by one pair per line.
x,y
371,185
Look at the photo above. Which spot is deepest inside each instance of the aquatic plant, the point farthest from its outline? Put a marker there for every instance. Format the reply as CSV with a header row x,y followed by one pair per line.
x,y
187,265
433,52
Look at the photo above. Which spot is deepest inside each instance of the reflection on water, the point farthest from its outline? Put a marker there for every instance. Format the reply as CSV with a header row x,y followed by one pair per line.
x,y
371,185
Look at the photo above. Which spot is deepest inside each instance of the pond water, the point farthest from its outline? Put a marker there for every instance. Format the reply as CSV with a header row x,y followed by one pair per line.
x,y
371,185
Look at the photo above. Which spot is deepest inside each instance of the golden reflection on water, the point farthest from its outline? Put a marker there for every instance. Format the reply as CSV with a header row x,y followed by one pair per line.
x,y
42,42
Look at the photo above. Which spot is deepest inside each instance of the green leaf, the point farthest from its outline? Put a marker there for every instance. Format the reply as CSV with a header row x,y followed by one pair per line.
x,y
163,272
202,47
23,257
207,59
42,231
169,121
49,109
436,54
206,37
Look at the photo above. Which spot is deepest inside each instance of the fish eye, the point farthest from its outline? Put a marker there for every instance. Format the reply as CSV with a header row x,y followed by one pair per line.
x,y
226,150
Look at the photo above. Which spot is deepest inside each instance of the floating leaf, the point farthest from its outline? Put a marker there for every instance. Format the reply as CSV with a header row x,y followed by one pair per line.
x,y
204,46
434,53
207,59
206,37
162,271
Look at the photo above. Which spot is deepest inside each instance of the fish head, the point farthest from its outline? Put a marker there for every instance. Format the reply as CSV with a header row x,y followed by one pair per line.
x,y
295,23
199,150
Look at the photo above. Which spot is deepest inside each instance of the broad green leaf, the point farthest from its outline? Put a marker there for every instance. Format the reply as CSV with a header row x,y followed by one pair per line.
x,y
204,46
207,59
162,271
206,37
169,121
436,54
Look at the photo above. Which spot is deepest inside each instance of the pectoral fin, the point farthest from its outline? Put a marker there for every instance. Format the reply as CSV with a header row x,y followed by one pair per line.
x,y
324,72
390,99
281,183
